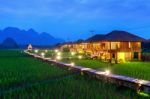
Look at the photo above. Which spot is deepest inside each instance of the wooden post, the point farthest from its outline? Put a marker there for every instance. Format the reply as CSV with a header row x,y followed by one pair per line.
x,y
110,53
116,57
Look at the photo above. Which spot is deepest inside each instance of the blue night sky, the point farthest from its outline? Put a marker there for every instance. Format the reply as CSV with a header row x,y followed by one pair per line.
x,y
74,19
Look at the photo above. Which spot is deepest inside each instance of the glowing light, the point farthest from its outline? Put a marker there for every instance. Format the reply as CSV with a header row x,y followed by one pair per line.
x,y
42,54
140,82
58,53
121,56
81,52
36,51
56,50
58,57
72,64
107,72
73,53
80,57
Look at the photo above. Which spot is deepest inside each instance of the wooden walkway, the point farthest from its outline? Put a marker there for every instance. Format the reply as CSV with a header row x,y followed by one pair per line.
x,y
119,80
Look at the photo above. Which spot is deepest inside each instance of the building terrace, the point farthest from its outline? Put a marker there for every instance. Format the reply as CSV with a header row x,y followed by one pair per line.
x,y
116,46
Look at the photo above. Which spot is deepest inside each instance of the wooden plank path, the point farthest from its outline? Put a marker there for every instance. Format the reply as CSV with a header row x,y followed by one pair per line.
x,y
119,80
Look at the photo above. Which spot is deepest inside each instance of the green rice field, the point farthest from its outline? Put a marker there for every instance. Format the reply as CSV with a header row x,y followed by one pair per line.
x,y
23,77
134,69
139,70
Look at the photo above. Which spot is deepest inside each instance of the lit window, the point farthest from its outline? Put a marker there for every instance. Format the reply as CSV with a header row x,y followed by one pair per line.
x,y
113,45
139,44
118,44
129,44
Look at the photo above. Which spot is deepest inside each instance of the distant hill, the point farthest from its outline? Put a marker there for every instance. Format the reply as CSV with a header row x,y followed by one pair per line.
x,y
23,37
9,43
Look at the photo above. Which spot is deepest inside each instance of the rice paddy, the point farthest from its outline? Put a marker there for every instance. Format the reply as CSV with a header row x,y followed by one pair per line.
x,y
134,69
23,77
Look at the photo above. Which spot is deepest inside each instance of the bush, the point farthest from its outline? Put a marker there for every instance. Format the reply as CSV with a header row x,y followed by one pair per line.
x,y
66,50
146,57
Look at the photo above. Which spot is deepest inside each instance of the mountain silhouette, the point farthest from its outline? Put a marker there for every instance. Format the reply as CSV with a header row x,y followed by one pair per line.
x,y
9,43
23,37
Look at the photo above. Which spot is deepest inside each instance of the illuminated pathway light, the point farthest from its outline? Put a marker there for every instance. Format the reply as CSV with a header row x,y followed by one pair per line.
x,y
140,82
58,57
80,57
107,72
73,53
72,64
42,54
58,53
36,51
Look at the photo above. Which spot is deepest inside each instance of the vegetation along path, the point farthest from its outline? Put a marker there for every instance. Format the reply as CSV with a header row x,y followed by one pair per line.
x,y
18,70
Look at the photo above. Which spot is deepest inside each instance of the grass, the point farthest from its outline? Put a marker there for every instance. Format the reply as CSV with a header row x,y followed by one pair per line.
x,y
133,69
17,68
23,77
75,87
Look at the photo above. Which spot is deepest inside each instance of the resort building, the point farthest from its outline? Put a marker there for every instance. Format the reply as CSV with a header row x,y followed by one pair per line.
x,y
117,46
